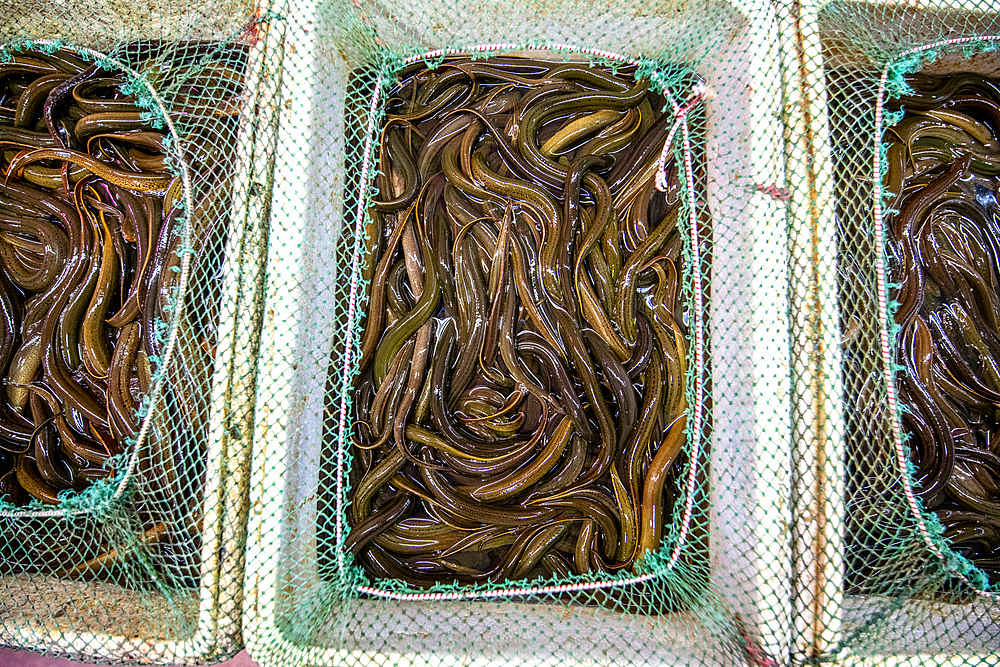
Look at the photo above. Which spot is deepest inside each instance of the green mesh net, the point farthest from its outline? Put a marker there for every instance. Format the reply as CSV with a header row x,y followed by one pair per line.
x,y
134,204
918,549
331,575
831,261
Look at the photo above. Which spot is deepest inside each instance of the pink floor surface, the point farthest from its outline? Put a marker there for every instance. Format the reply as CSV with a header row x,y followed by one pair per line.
x,y
11,658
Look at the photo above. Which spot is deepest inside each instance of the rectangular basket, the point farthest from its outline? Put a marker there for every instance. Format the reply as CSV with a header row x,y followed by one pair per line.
x,y
845,42
105,622
308,285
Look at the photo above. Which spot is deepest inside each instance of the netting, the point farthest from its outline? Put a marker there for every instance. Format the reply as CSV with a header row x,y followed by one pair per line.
x,y
589,333
911,139
135,155
523,389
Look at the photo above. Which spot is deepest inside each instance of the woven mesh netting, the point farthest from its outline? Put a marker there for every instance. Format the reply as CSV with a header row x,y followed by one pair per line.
x,y
913,144
135,148
523,383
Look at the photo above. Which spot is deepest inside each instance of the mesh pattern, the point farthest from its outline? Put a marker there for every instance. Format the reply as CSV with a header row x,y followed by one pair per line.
x,y
725,601
907,593
146,564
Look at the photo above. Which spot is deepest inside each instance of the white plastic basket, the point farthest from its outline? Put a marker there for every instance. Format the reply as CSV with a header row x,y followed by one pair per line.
x,y
914,631
104,622
750,478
